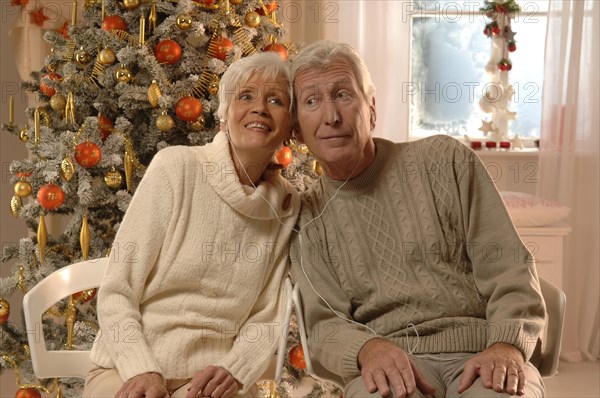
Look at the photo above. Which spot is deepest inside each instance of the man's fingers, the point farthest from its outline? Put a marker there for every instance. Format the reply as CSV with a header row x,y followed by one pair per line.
x,y
398,383
468,377
512,380
422,384
382,383
369,382
498,378
229,392
522,382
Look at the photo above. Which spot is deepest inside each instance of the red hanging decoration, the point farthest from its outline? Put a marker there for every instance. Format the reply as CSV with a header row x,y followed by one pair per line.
x,y
168,52
88,154
278,49
284,156
51,196
188,109
114,22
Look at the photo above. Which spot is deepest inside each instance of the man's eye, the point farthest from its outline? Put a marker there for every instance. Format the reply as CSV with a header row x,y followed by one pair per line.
x,y
342,95
311,101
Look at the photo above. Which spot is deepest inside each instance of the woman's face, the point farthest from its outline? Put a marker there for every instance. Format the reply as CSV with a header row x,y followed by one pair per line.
x,y
258,117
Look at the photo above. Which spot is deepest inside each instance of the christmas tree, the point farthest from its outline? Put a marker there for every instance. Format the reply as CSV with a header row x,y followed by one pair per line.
x,y
127,79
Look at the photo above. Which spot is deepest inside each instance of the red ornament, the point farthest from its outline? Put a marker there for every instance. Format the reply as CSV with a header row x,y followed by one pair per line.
x,y
114,22
219,47
504,65
28,393
23,174
487,31
51,196
64,31
106,126
85,295
205,2
167,52
271,7
88,154
296,357
284,156
38,17
277,48
495,30
18,2
188,109
512,46
47,90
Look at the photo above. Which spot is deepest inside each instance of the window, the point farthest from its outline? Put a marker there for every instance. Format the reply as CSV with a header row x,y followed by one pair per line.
x,y
449,53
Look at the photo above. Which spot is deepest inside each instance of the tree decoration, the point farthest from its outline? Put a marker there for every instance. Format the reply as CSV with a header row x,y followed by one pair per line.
x,y
164,122
252,19
284,156
67,168
64,30
220,47
199,124
88,154
123,74
82,57
15,205
113,179
28,393
267,8
296,357
4,311
24,134
167,52
22,187
42,235
38,17
184,21
106,126
47,90
153,94
114,22
278,49
58,102
188,109
51,196
505,65
131,4
107,56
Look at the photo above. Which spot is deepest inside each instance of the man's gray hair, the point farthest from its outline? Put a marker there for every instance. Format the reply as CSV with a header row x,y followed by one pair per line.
x,y
323,53
267,65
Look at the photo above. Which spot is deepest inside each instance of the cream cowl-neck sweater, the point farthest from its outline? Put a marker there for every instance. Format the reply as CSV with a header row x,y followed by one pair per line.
x,y
196,270
420,248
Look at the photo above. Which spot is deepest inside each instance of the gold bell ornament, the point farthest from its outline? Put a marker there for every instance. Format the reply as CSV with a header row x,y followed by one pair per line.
x,y
123,74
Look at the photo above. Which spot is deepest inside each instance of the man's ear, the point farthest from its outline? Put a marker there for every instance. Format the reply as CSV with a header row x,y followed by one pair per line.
x,y
373,118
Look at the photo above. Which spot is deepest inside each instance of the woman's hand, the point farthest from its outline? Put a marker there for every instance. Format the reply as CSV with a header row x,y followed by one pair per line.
x,y
214,382
150,385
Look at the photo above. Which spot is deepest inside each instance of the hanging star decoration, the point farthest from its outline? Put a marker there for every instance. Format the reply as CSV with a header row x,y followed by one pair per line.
x,y
486,127
38,17
516,142
509,35
64,30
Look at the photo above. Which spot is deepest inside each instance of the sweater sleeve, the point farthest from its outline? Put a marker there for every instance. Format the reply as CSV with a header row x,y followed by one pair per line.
x,y
259,335
334,343
133,255
503,269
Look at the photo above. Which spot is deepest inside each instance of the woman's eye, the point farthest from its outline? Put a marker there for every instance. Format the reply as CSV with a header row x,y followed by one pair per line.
x,y
276,101
245,97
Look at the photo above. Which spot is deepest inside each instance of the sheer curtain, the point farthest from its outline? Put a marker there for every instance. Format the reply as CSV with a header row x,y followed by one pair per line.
x,y
569,161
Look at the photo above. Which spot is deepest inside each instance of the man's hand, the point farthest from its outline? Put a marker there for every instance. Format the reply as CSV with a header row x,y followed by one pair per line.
x,y
385,365
149,385
213,381
501,367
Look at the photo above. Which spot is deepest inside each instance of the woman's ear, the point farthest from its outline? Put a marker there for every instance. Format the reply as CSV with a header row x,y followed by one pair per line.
x,y
223,126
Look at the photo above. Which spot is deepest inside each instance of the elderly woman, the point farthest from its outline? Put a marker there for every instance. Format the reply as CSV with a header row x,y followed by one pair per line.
x,y
192,305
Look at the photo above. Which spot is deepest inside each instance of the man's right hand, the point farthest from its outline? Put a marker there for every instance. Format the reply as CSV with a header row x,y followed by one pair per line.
x,y
385,365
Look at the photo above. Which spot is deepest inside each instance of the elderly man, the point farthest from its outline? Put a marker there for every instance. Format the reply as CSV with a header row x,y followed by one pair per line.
x,y
414,280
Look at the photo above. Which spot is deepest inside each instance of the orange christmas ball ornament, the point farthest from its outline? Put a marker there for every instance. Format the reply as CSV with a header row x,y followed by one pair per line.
x,y
114,22
51,196
88,154
168,52
271,8
47,90
277,48
284,156
219,47
28,393
4,311
106,126
188,109
296,357
85,295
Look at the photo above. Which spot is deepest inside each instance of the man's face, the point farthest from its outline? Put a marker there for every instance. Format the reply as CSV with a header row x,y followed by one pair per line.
x,y
334,120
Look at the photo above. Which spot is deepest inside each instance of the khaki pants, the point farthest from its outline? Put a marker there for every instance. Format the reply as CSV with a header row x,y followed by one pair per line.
x,y
104,383
443,371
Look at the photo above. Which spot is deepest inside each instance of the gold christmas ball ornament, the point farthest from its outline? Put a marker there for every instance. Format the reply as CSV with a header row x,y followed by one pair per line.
x,y
164,122
198,124
213,87
23,134
107,56
153,94
82,57
4,311
184,21
131,4
113,179
123,74
252,19
58,102
22,189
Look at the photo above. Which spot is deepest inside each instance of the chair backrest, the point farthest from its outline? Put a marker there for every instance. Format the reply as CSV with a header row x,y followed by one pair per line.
x,y
56,286
555,307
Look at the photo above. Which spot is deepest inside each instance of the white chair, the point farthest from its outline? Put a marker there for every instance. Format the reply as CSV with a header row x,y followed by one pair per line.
x,y
75,278
555,307
56,286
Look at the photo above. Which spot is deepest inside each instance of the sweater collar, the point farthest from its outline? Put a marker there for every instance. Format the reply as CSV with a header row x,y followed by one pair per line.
x,y
366,180
220,173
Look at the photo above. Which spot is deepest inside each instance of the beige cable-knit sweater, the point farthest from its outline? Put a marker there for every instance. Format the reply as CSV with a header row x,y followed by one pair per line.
x,y
420,237
196,270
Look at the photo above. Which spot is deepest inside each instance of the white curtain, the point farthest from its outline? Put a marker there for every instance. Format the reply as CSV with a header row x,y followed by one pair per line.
x,y
569,162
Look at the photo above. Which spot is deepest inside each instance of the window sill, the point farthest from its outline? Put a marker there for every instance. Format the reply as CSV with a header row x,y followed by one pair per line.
x,y
512,153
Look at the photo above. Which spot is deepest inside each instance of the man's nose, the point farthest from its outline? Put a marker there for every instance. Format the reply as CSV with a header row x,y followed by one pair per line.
x,y
332,114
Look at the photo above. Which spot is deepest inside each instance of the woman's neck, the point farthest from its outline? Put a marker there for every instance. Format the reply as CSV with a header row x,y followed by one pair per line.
x,y
250,167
